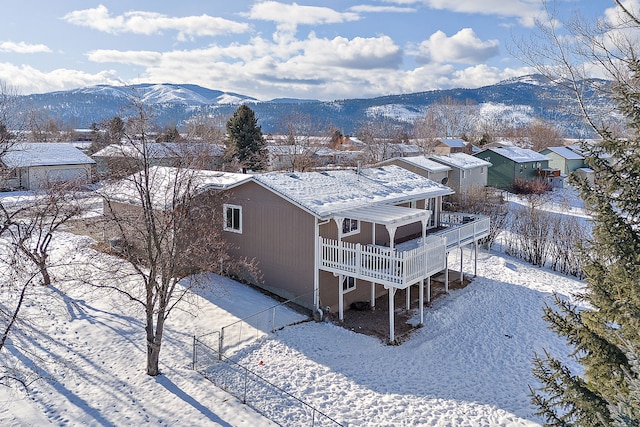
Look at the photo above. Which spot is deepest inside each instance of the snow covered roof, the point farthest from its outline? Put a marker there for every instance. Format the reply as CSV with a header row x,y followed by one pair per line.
x,y
28,154
283,150
168,184
565,152
519,154
421,162
160,150
327,193
454,142
462,161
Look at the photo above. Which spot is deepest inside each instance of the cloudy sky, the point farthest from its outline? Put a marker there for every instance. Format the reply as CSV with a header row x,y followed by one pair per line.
x,y
316,49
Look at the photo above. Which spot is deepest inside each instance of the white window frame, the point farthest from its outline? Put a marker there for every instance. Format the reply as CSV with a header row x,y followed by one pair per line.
x,y
351,231
350,283
238,227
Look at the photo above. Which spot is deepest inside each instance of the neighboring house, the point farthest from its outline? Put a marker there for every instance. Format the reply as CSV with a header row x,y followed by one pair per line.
x,y
382,150
586,173
404,150
329,157
423,166
283,157
123,159
328,239
449,145
36,165
466,172
564,159
511,163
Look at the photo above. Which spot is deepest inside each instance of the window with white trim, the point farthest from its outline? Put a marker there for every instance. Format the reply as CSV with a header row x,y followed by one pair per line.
x,y
350,226
233,218
348,284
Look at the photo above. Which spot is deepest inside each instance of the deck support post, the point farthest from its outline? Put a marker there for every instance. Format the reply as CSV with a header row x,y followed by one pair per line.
x,y
421,297
461,272
429,289
392,337
408,295
372,303
446,272
475,258
340,298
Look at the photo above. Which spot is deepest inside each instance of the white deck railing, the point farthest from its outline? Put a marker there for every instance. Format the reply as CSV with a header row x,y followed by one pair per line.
x,y
383,265
461,229
397,267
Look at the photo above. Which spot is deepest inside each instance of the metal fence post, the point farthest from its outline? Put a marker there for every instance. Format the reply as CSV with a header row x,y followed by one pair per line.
x,y
221,344
246,375
273,321
195,357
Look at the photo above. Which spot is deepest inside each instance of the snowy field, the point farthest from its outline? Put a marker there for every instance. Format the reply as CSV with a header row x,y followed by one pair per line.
x,y
469,366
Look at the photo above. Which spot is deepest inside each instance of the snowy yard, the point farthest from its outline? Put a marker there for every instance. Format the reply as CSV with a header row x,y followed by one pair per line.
x,y
469,365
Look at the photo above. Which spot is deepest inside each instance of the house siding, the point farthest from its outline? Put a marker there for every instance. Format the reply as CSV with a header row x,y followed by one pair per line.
x,y
433,176
281,236
566,166
504,171
40,176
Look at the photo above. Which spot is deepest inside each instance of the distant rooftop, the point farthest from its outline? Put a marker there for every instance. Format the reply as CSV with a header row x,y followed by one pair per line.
x,y
422,162
28,154
565,152
454,142
462,161
519,154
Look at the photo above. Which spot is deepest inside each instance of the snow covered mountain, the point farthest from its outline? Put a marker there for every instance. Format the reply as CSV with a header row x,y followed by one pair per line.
x,y
513,101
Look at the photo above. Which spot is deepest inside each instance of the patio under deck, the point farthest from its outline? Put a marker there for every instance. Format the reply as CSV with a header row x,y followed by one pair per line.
x,y
400,267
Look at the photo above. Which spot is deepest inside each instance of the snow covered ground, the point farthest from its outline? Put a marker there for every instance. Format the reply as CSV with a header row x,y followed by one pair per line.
x,y
469,366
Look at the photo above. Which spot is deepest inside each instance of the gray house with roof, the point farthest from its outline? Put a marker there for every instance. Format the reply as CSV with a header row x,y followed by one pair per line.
x,y
466,171
422,165
564,159
36,165
328,239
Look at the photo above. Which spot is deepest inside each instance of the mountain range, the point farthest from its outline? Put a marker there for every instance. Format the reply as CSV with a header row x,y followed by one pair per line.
x,y
514,101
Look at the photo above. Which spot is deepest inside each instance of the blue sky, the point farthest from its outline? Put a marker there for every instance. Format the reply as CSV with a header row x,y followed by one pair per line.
x,y
315,49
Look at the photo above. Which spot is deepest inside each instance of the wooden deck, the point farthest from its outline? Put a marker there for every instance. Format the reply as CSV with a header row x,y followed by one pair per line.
x,y
408,263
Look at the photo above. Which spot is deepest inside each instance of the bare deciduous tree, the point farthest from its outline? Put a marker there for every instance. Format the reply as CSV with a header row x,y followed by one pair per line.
x,y
168,228
300,141
451,117
380,137
27,232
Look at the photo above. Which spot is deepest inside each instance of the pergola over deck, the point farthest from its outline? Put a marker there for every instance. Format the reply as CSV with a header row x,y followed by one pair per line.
x,y
394,269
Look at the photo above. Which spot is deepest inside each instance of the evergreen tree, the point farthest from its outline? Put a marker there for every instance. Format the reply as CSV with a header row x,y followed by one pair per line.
x,y
606,336
246,138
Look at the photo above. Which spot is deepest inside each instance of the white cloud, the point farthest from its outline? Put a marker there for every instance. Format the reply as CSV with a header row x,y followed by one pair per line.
x,y
148,23
357,53
30,80
365,8
289,16
526,11
463,47
23,47
145,58
616,17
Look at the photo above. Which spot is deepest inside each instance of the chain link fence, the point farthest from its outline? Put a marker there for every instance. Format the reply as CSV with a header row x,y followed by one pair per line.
x,y
212,357
256,391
